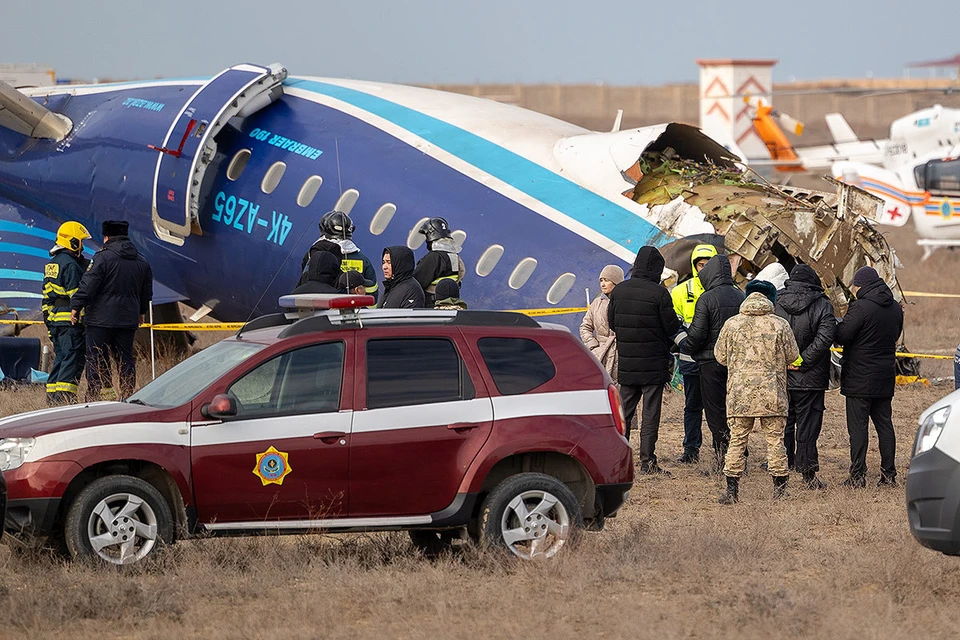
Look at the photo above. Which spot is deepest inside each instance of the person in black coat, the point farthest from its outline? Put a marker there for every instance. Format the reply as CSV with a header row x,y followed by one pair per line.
x,y
322,272
400,289
868,372
806,307
642,317
719,302
114,296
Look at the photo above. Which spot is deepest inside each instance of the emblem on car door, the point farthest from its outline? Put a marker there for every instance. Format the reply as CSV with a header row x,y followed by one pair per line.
x,y
272,466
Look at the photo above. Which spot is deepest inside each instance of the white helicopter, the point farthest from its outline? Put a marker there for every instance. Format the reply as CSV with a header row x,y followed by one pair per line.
x,y
916,171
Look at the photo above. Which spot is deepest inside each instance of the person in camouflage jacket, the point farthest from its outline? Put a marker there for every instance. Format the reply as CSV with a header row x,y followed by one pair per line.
x,y
757,347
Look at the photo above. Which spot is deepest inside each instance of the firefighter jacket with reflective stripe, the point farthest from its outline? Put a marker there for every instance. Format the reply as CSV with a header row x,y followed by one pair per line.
x,y
61,278
356,261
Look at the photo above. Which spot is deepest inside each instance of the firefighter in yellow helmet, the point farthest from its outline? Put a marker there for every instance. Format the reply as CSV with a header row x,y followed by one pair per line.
x,y
61,277
685,297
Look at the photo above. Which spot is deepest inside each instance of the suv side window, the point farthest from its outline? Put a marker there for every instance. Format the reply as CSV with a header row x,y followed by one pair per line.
x,y
408,371
305,380
517,365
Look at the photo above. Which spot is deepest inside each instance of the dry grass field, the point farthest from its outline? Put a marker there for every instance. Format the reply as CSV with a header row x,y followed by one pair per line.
x,y
674,564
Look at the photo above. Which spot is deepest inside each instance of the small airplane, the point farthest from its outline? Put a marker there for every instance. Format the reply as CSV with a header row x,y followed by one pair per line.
x,y
916,171
223,181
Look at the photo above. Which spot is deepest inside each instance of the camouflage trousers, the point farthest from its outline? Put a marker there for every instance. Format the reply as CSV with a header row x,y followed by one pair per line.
x,y
740,429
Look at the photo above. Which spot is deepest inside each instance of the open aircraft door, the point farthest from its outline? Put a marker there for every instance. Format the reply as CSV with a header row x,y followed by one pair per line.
x,y
190,146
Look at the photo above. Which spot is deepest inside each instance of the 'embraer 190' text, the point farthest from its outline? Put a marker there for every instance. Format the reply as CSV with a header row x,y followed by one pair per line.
x,y
243,215
149,105
286,144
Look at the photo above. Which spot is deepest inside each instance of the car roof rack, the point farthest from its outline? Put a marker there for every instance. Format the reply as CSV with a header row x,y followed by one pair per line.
x,y
327,312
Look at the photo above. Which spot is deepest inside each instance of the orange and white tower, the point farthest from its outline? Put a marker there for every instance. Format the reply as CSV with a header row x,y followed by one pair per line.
x,y
723,114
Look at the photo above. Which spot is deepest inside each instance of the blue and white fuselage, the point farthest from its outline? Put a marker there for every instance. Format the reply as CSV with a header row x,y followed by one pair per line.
x,y
226,221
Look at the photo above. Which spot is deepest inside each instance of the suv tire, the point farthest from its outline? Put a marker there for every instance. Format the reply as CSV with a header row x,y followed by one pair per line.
x,y
117,519
531,514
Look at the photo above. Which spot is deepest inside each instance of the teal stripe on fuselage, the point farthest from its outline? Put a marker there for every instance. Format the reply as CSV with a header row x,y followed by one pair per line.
x,y
19,274
618,224
16,227
22,249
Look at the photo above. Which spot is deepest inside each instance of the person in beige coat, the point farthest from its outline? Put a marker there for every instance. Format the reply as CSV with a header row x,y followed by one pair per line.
x,y
595,328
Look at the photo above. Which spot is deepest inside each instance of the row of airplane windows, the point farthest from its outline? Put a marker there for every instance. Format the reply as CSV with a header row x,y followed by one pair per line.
x,y
381,219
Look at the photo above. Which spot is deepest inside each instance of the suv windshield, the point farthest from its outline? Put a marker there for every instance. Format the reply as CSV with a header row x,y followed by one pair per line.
x,y
183,382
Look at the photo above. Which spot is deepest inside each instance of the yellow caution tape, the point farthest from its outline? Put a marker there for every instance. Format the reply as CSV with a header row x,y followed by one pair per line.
x,y
195,326
922,294
21,321
548,312
907,355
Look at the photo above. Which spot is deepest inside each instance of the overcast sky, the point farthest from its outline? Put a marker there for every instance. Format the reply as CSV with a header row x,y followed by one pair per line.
x,y
448,41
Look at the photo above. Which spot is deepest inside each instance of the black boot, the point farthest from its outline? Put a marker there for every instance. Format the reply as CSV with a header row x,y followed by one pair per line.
x,y
690,456
811,481
732,496
779,486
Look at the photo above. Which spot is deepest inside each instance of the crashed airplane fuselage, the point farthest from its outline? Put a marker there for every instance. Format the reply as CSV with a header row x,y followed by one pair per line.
x,y
223,181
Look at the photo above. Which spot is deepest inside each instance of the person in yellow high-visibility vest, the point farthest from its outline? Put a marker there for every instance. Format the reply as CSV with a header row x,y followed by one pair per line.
x,y
685,296
61,278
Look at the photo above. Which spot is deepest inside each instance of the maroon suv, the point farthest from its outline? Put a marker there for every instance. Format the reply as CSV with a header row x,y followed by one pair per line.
x,y
443,423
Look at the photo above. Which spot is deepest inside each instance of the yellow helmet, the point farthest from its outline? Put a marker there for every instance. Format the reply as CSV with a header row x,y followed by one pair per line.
x,y
71,235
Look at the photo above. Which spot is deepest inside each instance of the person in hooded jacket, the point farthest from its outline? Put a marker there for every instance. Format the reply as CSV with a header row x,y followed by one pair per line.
x,y
442,259
400,288
321,245
806,307
641,315
685,296
719,302
114,296
757,347
595,330
322,273
868,372
448,296
337,227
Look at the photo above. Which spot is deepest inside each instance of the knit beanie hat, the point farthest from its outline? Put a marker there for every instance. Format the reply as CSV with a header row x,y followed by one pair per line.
x,y
613,273
762,286
447,288
865,276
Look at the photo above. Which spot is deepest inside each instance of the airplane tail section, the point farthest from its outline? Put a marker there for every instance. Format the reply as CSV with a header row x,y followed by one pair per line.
x,y
840,130
765,123
23,115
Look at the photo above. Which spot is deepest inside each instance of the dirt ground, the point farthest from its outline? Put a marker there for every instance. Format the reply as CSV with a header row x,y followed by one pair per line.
x,y
674,564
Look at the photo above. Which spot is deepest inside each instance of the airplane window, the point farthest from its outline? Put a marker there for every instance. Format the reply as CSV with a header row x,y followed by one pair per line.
x,y
522,272
238,164
382,218
415,239
560,287
489,259
346,201
309,191
272,178
460,236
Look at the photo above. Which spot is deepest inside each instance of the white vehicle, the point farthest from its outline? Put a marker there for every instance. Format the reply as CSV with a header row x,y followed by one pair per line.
x,y
933,482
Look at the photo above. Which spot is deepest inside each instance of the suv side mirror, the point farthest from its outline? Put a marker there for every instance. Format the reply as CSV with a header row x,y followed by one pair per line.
x,y
221,407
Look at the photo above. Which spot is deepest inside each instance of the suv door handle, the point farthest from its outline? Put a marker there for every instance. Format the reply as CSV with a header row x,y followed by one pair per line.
x,y
462,426
329,437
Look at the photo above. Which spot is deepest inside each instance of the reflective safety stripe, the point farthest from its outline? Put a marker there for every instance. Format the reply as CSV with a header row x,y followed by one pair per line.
x,y
54,387
455,277
50,287
372,289
59,316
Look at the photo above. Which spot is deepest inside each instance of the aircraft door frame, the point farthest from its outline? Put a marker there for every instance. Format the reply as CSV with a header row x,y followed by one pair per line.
x,y
189,145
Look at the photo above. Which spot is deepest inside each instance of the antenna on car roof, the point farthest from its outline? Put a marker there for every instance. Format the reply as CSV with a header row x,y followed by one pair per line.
x,y
273,279
336,151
